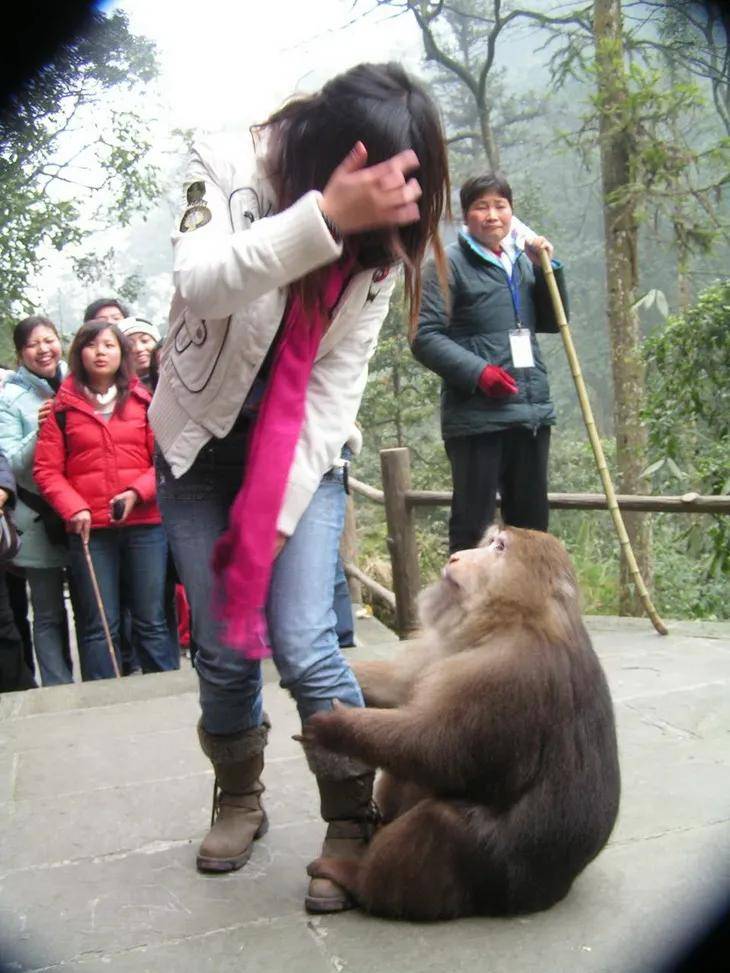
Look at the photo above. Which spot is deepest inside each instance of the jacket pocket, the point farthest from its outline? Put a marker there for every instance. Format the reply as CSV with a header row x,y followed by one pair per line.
x,y
492,348
196,348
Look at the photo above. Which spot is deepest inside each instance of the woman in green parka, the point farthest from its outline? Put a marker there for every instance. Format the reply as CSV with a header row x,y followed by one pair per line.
x,y
26,400
496,411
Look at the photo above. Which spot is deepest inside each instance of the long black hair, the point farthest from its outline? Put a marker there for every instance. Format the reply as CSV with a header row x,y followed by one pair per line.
x,y
384,108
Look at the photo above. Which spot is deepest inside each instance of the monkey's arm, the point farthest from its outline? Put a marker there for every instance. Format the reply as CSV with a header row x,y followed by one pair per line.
x,y
462,731
387,683
378,682
382,683
380,738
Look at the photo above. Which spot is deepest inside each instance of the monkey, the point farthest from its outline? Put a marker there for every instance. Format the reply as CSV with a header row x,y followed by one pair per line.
x,y
495,736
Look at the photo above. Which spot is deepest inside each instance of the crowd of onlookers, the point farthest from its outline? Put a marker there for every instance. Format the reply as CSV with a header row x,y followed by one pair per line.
x,y
78,482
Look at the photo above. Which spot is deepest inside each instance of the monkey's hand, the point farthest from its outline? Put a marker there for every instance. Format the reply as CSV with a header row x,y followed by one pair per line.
x,y
328,728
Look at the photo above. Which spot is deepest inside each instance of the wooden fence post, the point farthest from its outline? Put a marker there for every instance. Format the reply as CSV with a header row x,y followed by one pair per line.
x,y
395,466
348,549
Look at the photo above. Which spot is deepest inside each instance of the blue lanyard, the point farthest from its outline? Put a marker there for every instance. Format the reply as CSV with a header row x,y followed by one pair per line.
x,y
513,284
515,292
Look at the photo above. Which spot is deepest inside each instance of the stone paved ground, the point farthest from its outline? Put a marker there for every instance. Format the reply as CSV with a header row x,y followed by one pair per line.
x,y
104,795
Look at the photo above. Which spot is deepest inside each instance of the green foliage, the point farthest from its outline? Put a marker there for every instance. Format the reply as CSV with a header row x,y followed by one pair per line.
x,y
99,270
400,405
688,412
679,166
57,158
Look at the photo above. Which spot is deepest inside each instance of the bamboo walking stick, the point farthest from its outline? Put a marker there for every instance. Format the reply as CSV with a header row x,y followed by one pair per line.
x,y
618,521
100,606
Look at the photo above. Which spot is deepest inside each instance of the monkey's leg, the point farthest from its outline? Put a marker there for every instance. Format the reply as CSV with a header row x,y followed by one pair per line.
x,y
394,796
419,867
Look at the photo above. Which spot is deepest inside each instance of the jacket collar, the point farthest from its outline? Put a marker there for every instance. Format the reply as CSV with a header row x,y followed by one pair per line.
x,y
71,396
471,245
26,379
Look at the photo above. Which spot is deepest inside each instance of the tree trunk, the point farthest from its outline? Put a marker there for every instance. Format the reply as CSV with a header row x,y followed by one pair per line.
x,y
684,283
621,233
491,149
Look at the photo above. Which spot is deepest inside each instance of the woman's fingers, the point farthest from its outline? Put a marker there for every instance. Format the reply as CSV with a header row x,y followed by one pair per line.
x,y
397,166
355,159
403,215
360,198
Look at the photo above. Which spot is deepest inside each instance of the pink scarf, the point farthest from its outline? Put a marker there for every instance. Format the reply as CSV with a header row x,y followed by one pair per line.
x,y
243,557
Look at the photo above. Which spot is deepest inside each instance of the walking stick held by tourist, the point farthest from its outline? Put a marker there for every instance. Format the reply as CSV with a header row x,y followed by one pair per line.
x,y
100,606
585,406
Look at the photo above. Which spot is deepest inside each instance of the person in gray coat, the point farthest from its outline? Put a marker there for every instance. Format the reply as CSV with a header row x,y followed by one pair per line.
x,y
14,672
496,410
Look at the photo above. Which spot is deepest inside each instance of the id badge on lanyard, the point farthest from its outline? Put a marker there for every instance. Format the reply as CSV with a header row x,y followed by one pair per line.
x,y
521,348
520,339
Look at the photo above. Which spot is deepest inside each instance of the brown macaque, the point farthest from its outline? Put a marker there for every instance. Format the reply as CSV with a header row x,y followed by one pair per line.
x,y
495,734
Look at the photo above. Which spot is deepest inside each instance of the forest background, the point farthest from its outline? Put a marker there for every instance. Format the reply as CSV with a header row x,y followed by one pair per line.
x,y
612,123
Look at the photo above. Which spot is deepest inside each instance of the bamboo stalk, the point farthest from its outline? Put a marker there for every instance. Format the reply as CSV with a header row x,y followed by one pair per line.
x,y
623,537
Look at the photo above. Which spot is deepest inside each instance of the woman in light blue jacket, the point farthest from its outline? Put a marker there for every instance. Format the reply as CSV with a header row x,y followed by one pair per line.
x,y
25,401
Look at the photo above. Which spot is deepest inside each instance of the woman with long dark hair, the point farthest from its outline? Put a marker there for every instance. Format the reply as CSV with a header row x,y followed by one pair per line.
x,y
284,263
94,466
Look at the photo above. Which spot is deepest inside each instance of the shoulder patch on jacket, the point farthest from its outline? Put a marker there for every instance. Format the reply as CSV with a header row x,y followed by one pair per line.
x,y
197,214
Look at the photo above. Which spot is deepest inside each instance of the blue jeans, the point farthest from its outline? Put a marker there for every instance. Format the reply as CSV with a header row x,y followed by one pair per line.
x,y
343,608
49,623
138,555
300,615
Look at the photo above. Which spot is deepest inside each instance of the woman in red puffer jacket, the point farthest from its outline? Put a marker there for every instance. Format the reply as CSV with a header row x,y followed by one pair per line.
x,y
93,464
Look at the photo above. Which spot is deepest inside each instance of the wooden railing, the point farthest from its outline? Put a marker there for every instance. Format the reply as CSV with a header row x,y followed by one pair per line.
x,y
400,501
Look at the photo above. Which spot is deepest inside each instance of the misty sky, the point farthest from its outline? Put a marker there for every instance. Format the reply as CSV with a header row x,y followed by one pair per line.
x,y
222,62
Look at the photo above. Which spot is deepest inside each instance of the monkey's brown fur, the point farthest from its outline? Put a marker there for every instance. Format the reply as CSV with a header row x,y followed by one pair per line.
x,y
496,736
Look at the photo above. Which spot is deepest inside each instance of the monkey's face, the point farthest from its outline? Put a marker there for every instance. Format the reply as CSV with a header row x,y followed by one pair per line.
x,y
522,571
494,570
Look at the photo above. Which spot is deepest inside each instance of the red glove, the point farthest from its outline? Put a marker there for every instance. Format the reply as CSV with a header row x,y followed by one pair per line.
x,y
496,383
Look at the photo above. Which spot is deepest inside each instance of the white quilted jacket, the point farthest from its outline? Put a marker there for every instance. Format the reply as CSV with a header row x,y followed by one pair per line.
x,y
231,277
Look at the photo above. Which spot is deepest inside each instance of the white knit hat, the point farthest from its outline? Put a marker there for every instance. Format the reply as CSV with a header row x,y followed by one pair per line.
x,y
138,326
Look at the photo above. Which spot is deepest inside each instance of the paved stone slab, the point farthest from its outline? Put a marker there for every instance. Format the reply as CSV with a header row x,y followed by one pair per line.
x,y
104,796
289,945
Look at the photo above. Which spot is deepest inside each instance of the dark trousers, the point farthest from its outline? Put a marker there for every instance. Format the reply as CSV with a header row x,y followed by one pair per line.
x,y
513,461
14,673
18,594
139,554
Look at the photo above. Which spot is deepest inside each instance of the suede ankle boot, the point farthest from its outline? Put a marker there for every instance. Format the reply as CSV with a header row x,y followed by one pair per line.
x,y
345,791
238,816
